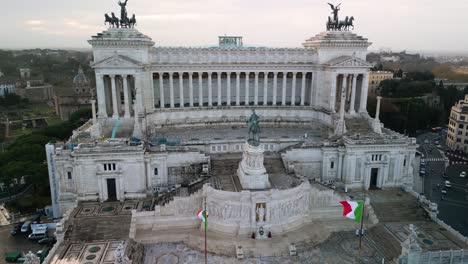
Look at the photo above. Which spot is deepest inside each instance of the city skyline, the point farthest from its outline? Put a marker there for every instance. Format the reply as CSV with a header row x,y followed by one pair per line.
x,y
60,24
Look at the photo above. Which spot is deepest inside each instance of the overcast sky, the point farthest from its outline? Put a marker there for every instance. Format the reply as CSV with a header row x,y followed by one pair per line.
x,y
417,25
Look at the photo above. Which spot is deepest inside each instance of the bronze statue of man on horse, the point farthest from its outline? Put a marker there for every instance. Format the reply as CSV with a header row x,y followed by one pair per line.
x,y
254,129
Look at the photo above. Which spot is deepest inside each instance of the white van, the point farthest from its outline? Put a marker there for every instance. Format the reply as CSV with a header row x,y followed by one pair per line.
x,y
25,227
39,232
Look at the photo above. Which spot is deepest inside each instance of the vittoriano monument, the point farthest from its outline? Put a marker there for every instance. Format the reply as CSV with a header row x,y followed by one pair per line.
x,y
124,21
336,23
251,172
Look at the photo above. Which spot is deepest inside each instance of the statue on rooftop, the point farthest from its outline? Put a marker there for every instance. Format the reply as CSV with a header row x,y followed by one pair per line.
x,y
123,10
254,129
335,11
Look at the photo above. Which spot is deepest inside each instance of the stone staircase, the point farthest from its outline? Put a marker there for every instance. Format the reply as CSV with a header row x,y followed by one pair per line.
x,y
384,242
223,171
88,229
408,211
357,125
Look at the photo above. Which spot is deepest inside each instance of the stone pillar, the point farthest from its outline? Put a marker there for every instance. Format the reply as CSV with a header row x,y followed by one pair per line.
x,y
339,174
126,95
181,89
333,93
251,172
303,88
114,97
256,89
364,91
171,88
210,90
283,93
228,88
101,96
200,89
247,87
352,111
340,128
161,90
275,86
377,109
93,109
265,88
237,88
191,88
293,93
313,91
219,88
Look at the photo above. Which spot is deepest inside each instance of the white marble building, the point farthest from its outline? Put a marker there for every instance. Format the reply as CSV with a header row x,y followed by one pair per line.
x,y
182,102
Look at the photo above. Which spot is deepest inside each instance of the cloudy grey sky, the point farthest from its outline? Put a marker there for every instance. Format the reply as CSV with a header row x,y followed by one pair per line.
x,y
421,25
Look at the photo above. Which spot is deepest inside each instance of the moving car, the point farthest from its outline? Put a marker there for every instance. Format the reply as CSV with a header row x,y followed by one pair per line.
x,y
463,174
448,184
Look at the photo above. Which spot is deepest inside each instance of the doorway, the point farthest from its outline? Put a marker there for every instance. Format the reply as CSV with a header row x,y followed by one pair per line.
x,y
111,190
373,178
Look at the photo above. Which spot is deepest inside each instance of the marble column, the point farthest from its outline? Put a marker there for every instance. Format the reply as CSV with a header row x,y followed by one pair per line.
x,y
275,86
303,84
265,88
126,99
181,89
364,91
210,90
237,88
101,96
344,86
171,88
200,89
247,87
115,109
218,75
377,109
191,88
313,91
333,92
228,88
293,93
161,90
352,104
256,89
283,94
93,111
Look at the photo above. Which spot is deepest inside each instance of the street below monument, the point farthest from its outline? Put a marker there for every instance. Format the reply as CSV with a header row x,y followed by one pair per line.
x,y
452,201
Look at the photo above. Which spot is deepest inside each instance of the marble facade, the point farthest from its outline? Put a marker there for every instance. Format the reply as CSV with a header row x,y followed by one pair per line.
x,y
143,90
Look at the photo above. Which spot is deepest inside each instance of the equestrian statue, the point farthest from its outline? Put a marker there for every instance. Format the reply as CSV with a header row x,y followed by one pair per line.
x,y
254,130
335,23
124,21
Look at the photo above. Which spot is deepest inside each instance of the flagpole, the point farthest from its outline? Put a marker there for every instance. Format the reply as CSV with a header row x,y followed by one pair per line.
x,y
360,230
204,202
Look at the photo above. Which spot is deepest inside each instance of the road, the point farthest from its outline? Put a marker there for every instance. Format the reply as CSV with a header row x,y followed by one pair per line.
x,y
453,206
15,243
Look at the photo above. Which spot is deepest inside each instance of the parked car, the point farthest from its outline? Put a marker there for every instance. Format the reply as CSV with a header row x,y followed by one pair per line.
x,y
463,174
444,191
26,227
47,241
16,228
13,256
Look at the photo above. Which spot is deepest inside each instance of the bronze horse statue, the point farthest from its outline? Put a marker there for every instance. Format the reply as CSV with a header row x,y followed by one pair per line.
x,y
113,21
132,21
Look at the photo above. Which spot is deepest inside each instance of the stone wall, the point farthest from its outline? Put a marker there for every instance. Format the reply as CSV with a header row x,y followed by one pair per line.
x,y
236,213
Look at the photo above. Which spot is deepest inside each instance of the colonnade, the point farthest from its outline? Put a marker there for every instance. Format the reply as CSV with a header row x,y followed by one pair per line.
x,y
110,89
355,87
251,88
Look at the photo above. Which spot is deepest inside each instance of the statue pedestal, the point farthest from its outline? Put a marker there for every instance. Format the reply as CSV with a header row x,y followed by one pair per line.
x,y
251,172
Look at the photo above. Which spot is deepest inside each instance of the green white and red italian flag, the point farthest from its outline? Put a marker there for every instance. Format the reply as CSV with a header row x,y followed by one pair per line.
x,y
203,216
352,210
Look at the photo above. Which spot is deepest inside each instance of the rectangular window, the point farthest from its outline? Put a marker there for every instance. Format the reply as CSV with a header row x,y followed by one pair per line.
x,y
105,167
462,117
460,126
113,166
332,165
458,140
155,171
69,174
404,162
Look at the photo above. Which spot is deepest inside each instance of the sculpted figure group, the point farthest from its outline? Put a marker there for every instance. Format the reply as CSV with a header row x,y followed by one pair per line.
x,y
124,21
337,24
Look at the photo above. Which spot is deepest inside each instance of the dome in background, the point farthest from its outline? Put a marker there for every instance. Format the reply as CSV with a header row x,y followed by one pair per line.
x,y
80,79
